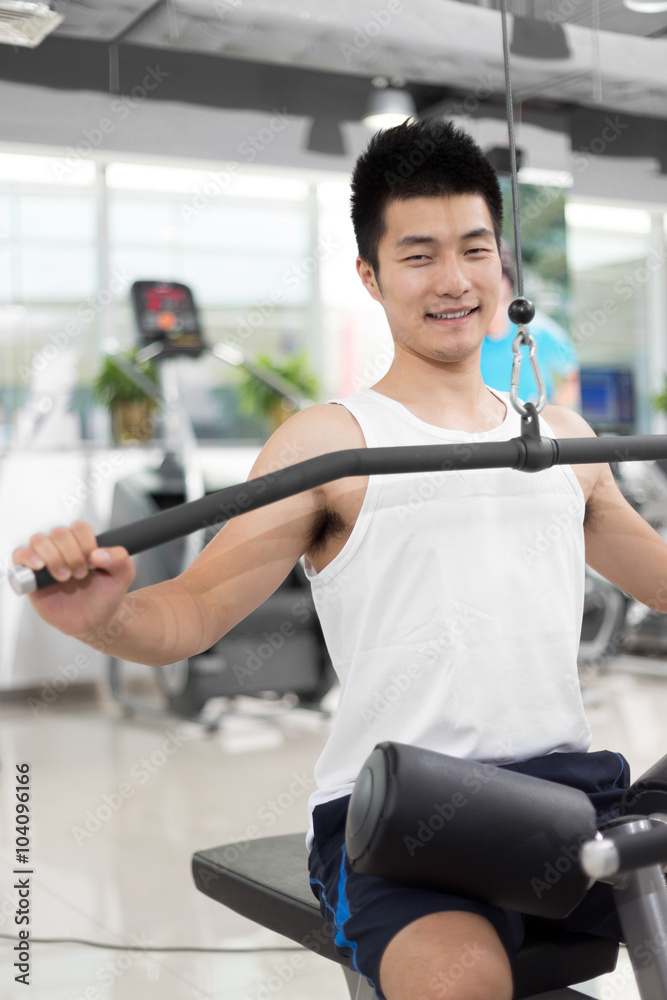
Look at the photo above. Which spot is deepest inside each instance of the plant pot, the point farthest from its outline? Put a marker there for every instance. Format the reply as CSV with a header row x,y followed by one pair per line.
x,y
132,421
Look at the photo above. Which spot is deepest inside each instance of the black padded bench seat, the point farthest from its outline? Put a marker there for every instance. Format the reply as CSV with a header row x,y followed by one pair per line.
x,y
266,880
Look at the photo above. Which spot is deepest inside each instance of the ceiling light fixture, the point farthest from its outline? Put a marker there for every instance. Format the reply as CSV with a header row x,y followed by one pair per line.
x,y
499,158
538,39
646,6
325,137
388,106
26,24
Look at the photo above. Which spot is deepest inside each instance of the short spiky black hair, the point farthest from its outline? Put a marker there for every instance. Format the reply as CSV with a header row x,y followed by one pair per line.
x,y
422,159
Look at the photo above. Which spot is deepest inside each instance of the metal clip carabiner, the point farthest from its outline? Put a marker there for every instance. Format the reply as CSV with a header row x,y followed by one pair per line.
x,y
524,336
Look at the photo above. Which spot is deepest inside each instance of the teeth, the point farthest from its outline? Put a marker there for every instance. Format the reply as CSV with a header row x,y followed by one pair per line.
x,y
457,315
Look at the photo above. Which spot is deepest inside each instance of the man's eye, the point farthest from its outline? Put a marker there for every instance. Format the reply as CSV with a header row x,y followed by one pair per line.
x,y
418,256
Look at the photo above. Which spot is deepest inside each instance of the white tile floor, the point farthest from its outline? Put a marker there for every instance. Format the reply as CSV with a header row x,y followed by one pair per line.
x,y
126,878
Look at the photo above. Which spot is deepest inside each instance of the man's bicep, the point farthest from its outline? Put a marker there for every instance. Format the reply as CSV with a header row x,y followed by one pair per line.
x,y
623,547
253,553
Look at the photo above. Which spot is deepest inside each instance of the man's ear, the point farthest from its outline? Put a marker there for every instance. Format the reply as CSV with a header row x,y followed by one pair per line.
x,y
369,281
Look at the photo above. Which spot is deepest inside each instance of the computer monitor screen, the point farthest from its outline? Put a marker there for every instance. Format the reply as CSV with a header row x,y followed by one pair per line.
x,y
607,398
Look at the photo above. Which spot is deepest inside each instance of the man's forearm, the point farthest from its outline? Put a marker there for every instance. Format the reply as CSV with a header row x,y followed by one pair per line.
x,y
155,625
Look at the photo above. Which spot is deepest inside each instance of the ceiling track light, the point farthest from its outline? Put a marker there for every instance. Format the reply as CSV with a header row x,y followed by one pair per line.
x,y
26,24
388,106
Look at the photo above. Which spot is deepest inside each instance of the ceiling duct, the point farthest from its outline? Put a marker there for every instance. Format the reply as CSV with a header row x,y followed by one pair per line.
x,y
26,24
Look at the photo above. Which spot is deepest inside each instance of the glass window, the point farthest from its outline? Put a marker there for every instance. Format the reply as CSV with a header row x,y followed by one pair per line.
x,y
5,272
142,220
65,275
608,249
138,263
55,219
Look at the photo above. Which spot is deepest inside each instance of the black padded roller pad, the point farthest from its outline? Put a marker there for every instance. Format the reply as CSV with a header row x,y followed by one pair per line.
x,y
428,819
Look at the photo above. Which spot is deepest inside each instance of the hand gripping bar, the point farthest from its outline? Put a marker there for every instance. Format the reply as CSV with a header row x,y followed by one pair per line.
x,y
528,453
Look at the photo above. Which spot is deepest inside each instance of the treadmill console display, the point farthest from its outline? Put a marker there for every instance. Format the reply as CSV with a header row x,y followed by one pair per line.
x,y
166,312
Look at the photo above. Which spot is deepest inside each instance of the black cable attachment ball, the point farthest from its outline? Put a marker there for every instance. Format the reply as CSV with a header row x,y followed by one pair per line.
x,y
521,311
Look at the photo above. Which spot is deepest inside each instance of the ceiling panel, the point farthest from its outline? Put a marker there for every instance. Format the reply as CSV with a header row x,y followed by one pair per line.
x,y
313,58
605,15
98,20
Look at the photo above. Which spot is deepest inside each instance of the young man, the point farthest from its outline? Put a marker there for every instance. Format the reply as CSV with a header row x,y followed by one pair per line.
x,y
450,626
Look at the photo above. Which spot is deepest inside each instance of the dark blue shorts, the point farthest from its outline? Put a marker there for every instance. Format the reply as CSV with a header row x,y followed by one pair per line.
x,y
365,912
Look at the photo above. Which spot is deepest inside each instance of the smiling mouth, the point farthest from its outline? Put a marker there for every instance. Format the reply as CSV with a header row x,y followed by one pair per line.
x,y
459,314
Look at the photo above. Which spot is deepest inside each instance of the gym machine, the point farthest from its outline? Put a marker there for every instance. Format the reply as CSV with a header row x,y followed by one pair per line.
x,y
278,651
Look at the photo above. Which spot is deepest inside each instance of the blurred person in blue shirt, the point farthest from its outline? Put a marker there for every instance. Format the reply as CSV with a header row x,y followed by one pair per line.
x,y
556,355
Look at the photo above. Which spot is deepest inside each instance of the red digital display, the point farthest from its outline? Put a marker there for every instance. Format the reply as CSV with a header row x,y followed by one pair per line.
x,y
166,312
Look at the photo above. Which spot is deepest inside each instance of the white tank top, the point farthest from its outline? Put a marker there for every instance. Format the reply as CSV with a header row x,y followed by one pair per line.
x,y
453,612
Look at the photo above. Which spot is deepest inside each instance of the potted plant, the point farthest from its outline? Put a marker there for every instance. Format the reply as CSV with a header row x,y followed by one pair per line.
x,y
660,401
130,405
262,401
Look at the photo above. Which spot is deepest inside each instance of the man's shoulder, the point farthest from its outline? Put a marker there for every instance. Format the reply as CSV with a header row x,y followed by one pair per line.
x,y
316,430
566,423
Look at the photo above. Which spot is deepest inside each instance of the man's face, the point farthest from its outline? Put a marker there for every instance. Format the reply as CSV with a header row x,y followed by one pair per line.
x,y
440,272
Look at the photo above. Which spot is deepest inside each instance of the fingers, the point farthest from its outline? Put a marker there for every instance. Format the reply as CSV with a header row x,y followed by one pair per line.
x,y
67,552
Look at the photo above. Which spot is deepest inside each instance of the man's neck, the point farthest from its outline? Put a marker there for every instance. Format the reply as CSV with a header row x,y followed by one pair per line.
x,y
452,399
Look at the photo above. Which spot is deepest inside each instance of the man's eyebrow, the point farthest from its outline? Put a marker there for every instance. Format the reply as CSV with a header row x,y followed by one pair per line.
x,y
476,234
412,239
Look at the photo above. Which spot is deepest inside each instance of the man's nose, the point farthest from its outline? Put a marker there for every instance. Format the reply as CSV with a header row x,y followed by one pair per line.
x,y
452,279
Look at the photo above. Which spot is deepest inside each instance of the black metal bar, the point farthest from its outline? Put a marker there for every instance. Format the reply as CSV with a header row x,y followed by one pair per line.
x,y
642,849
516,453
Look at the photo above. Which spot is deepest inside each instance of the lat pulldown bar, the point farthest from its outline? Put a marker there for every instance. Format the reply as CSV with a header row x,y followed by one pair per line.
x,y
527,453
